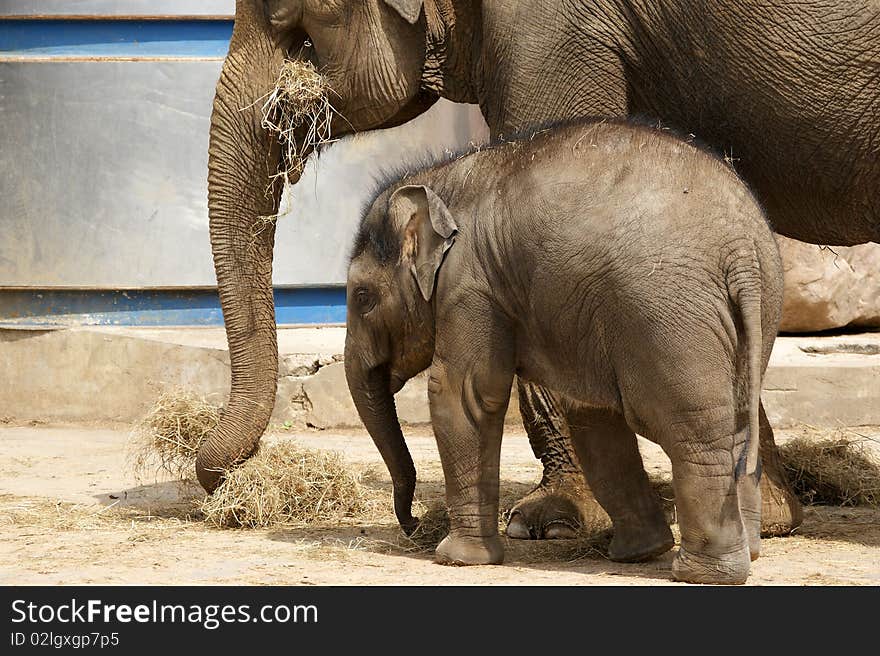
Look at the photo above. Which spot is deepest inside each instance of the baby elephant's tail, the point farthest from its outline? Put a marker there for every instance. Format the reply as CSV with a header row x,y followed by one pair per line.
x,y
744,287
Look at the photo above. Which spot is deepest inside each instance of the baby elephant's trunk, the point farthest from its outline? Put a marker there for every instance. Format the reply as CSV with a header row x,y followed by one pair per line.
x,y
371,391
744,287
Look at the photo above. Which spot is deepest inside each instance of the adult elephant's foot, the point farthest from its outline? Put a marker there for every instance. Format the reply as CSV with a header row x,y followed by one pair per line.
x,y
781,511
562,505
731,569
557,509
454,550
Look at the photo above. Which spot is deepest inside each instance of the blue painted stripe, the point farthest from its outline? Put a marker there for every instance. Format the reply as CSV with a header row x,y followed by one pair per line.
x,y
158,308
131,38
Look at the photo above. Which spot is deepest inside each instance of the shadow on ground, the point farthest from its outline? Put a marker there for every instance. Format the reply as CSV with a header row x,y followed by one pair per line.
x,y
162,499
173,500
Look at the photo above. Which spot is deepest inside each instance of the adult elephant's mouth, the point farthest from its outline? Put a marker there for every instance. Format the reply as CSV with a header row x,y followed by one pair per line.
x,y
417,105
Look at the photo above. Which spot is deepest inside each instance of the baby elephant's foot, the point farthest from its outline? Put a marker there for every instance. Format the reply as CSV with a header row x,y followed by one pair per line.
x,y
470,551
557,511
640,543
732,569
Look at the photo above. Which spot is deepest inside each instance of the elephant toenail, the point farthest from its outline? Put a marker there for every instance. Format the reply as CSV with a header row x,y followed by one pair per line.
x,y
559,530
518,529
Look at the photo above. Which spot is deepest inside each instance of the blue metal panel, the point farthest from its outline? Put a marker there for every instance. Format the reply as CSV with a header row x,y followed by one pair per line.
x,y
158,308
135,38
103,178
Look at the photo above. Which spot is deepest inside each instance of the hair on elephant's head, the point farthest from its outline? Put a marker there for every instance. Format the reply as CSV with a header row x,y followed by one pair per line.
x,y
371,54
399,249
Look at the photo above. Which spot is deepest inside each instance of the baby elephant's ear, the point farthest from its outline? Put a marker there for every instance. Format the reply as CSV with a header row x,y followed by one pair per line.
x,y
428,232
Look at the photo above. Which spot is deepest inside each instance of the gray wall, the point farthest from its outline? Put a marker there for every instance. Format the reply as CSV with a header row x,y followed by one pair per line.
x,y
313,238
117,8
104,162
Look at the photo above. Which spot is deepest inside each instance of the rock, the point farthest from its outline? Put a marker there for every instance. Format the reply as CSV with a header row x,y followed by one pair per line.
x,y
298,364
829,287
290,402
329,403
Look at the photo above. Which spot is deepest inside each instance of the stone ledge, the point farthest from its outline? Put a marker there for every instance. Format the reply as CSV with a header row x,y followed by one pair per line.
x,y
114,374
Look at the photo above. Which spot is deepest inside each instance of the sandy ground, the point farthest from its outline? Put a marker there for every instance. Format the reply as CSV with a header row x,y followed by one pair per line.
x,y
72,513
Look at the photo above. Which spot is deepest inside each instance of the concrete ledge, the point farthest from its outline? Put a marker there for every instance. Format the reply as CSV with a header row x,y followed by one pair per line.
x,y
824,381
105,373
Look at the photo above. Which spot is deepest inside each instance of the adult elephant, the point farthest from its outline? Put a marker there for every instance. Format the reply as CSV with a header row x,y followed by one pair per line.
x,y
790,91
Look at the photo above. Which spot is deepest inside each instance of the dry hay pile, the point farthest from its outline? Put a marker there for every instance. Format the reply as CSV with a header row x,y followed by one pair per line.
x,y
168,438
283,484
835,472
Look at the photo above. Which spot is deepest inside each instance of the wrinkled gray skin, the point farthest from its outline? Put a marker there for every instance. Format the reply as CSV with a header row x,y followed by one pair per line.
x,y
629,272
789,90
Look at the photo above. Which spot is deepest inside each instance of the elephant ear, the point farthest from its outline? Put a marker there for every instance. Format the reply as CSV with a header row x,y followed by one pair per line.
x,y
283,14
429,231
409,9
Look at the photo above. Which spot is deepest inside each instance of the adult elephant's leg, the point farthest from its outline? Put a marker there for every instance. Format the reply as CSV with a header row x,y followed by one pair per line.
x,y
613,466
562,502
781,512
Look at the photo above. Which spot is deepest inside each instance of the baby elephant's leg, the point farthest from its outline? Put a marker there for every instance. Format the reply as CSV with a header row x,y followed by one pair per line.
x,y
469,441
469,390
613,467
705,447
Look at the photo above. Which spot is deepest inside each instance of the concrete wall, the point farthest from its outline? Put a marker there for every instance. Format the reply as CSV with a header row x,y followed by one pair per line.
x,y
111,374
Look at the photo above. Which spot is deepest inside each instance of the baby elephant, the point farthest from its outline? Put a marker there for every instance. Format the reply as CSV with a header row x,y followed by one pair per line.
x,y
616,264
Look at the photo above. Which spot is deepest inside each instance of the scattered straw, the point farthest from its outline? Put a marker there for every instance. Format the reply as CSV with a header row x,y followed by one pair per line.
x,y
63,516
168,438
284,484
433,527
836,471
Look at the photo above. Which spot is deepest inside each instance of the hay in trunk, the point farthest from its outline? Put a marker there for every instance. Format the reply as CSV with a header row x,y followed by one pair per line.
x,y
835,472
169,437
299,103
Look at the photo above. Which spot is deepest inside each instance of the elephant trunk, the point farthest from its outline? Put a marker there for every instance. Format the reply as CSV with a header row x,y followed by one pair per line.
x,y
242,159
371,391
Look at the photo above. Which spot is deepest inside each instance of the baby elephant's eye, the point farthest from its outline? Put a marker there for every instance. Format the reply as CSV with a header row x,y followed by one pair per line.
x,y
364,300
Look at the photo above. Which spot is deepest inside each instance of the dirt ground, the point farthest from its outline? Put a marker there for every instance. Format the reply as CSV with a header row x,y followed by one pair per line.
x,y
71,512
